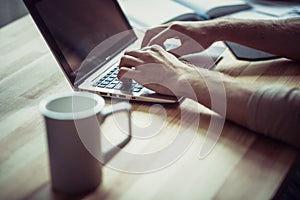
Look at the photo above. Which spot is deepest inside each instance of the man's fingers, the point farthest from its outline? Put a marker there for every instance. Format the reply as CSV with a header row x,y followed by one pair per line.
x,y
134,53
160,38
126,73
130,61
181,51
143,54
151,33
188,46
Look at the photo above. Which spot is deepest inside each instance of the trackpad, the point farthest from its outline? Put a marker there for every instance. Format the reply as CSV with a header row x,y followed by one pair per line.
x,y
207,58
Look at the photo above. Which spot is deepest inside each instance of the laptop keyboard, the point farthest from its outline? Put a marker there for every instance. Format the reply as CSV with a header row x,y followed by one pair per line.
x,y
110,81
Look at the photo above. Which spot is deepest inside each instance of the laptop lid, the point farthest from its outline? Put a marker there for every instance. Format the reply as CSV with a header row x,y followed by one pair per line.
x,y
73,28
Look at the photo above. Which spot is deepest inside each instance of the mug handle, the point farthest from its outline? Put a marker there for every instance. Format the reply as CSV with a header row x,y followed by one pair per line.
x,y
108,111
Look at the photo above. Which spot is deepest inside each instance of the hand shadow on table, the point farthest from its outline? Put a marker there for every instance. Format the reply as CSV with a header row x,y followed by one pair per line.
x,y
233,135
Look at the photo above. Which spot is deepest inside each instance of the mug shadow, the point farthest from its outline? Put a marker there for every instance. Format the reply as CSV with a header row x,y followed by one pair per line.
x,y
46,192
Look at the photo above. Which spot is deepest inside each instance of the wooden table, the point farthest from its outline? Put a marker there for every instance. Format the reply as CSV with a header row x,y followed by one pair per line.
x,y
242,165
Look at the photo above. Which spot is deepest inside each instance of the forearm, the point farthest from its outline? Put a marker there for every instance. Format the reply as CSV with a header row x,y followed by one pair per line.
x,y
273,111
214,87
280,37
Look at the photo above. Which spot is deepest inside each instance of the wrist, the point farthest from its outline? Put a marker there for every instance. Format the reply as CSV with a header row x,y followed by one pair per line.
x,y
223,29
212,31
191,84
199,83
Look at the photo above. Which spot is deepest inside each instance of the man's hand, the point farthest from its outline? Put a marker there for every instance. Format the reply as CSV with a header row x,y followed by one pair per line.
x,y
194,36
156,69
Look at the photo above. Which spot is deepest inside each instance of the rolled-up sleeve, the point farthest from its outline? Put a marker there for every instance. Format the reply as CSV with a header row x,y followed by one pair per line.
x,y
275,112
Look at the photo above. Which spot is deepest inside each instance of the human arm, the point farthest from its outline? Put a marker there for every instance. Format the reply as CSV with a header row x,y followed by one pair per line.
x,y
274,112
270,110
164,73
280,37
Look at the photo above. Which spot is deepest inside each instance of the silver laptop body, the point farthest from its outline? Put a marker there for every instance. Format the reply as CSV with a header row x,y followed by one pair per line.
x,y
88,38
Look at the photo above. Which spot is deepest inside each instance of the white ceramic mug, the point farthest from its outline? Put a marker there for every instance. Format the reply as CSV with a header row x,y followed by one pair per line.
x,y
73,123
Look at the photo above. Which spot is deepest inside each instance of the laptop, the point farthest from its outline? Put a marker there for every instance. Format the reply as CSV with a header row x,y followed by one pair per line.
x,y
88,38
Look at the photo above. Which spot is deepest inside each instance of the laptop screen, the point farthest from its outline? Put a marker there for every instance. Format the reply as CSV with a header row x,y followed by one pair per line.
x,y
82,34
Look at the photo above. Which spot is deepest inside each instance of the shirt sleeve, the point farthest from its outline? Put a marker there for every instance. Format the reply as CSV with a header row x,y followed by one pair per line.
x,y
275,112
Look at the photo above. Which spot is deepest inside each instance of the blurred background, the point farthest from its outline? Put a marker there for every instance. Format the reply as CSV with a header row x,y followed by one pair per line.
x,y
11,10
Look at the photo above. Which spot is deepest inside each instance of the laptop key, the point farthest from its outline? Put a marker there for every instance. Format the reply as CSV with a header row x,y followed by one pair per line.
x,y
113,76
111,86
119,86
138,86
101,85
136,89
115,82
100,80
110,79
105,82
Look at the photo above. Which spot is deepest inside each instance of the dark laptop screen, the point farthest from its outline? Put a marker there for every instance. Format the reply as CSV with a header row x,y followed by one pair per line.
x,y
82,32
